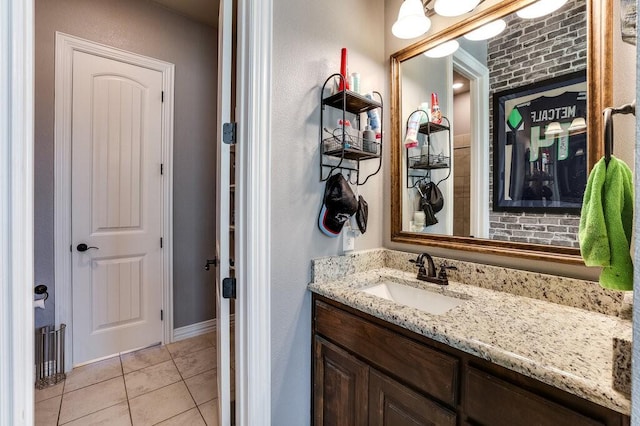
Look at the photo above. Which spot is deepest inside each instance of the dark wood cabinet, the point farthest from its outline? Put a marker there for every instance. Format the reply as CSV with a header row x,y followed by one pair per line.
x,y
496,402
368,371
392,404
340,386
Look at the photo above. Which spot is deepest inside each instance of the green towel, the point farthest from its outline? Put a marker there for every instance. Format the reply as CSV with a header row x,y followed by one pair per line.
x,y
606,222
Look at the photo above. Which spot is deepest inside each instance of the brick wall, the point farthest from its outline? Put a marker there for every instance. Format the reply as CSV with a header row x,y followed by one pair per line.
x,y
526,52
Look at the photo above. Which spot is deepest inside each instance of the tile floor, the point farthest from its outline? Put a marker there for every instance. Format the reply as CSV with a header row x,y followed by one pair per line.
x,y
174,384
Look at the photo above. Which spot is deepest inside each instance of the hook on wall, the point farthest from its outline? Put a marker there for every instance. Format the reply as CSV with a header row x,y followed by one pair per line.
x,y
608,126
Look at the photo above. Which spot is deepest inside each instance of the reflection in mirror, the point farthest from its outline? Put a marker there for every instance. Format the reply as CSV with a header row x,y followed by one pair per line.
x,y
526,51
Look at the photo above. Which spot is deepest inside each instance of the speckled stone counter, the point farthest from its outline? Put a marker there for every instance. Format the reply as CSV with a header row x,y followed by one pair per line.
x,y
557,343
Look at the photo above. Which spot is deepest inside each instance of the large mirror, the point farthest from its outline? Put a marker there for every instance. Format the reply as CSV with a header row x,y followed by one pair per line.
x,y
503,195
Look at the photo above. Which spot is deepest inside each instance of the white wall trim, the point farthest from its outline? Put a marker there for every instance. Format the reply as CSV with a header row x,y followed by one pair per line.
x,y
478,74
253,207
16,212
194,330
65,46
198,329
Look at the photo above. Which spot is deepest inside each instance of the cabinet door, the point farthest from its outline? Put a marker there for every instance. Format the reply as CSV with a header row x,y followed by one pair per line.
x,y
492,401
339,387
392,404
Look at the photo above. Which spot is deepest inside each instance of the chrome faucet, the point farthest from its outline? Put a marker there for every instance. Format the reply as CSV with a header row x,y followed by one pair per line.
x,y
429,274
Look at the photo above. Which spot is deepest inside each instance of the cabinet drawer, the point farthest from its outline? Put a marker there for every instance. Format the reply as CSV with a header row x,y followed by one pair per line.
x,y
417,365
493,401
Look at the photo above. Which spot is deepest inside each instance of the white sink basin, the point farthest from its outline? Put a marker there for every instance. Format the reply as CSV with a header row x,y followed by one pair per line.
x,y
424,300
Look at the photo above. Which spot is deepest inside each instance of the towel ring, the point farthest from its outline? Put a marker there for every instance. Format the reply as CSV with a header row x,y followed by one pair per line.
x,y
608,126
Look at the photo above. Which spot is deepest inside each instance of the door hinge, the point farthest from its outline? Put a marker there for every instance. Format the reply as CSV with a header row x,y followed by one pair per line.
x,y
162,97
229,288
161,168
161,242
229,133
161,315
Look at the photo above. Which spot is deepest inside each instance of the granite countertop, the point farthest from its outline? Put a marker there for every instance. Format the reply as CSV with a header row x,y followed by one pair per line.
x,y
563,346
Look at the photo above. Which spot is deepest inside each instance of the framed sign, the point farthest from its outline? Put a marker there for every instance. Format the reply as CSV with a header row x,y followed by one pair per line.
x,y
540,146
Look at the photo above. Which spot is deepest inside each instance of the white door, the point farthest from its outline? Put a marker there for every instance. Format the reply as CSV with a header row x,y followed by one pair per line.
x,y
223,329
116,207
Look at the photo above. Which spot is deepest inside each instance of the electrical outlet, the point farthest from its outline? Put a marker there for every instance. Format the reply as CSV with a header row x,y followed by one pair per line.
x,y
348,240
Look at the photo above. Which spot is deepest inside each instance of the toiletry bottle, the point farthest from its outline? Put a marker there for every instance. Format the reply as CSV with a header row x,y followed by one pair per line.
x,y
424,118
411,140
436,115
355,79
374,117
344,81
369,138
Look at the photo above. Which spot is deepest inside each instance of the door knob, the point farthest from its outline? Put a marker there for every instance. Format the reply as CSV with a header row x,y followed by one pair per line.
x,y
84,247
214,262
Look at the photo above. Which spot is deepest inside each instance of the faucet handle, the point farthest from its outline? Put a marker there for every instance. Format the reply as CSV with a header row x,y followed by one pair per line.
x,y
443,270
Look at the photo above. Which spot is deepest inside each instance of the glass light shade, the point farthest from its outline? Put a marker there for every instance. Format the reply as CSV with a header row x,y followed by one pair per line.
x,y
457,86
578,123
411,21
540,8
487,31
454,7
553,129
442,50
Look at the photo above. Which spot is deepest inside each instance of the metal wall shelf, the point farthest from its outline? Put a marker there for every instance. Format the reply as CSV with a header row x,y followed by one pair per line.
x,y
339,149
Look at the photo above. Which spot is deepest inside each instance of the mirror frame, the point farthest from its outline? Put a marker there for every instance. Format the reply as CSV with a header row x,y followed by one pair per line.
x,y
599,89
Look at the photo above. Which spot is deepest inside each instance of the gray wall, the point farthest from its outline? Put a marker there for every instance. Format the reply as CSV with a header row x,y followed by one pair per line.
x,y
529,51
142,27
307,38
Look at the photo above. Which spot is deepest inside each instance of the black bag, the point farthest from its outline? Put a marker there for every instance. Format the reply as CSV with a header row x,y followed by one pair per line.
x,y
429,215
362,214
433,195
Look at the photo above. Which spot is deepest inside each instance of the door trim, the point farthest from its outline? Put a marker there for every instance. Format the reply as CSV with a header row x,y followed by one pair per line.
x,y
16,212
478,74
253,217
65,46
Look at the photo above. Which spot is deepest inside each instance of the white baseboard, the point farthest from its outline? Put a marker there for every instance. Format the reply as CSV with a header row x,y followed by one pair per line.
x,y
197,329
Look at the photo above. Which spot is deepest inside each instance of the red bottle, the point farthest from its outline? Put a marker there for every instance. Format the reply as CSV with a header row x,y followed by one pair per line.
x,y
436,114
344,81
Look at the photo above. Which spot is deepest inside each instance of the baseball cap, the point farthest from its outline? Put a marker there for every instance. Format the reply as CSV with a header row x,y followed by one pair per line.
x,y
338,205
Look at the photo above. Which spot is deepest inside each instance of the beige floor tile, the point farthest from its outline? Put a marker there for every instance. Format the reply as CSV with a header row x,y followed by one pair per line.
x,y
203,387
93,373
144,358
190,418
151,378
209,411
161,404
118,415
46,412
92,398
196,363
212,338
49,392
187,346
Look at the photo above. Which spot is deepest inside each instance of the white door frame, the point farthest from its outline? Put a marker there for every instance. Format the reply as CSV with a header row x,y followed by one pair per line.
x,y
16,213
65,46
253,323
253,213
478,75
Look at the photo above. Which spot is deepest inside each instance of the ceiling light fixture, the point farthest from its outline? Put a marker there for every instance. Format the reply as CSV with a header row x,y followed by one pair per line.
x,y
442,50
540,8
411,22
457,85
454,7
553,129
487,31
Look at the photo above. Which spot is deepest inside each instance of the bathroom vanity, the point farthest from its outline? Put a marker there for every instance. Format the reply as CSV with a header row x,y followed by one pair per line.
x,y
496,358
